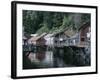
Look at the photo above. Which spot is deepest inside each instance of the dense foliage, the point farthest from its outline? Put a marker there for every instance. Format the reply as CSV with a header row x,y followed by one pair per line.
x,y
42,21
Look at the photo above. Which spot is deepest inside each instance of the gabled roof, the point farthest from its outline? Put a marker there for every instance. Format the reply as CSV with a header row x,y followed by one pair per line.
x,y
59,32
70,32
84,25
35,38
33,35
49,35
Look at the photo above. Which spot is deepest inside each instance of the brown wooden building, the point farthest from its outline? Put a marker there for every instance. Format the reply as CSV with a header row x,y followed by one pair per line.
x,y
60,39
38,40
82,37
84,32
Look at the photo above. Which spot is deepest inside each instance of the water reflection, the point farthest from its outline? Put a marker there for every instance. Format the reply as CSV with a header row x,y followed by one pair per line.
x,y
46,57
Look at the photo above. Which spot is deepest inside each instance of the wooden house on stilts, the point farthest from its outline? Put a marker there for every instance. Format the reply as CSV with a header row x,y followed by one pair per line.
x,y
82,37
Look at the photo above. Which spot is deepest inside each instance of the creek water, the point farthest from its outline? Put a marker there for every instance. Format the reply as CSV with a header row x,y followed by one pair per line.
x,y
54,57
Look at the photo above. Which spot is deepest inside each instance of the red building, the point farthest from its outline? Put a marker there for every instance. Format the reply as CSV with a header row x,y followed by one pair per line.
x,y
37,40
84,32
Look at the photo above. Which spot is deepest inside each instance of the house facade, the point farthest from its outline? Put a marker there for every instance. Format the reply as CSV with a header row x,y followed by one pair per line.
x,y
49,40
37,40
41,41
60,39
85,34
74,40
82,37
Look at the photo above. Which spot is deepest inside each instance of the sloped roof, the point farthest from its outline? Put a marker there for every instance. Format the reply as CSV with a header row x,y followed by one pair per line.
x,y
70,32
49,35
35,38
84,25
34,35
59,32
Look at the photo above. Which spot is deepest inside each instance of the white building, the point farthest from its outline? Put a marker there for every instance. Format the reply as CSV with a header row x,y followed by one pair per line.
x,y
49,39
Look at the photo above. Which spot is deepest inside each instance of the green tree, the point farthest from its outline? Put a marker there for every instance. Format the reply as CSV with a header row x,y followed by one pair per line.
x,y
44,21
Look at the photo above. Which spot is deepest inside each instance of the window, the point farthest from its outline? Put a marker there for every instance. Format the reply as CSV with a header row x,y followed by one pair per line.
x,y
82,39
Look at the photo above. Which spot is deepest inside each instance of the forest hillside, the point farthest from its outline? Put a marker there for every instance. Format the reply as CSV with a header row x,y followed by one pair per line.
x,y
49,22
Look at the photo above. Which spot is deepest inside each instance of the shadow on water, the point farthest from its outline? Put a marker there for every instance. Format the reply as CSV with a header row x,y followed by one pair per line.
x,y
48,57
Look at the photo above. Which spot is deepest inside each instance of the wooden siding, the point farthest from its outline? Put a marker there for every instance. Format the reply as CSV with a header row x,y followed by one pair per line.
x,y
60,40
83,33
40,42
